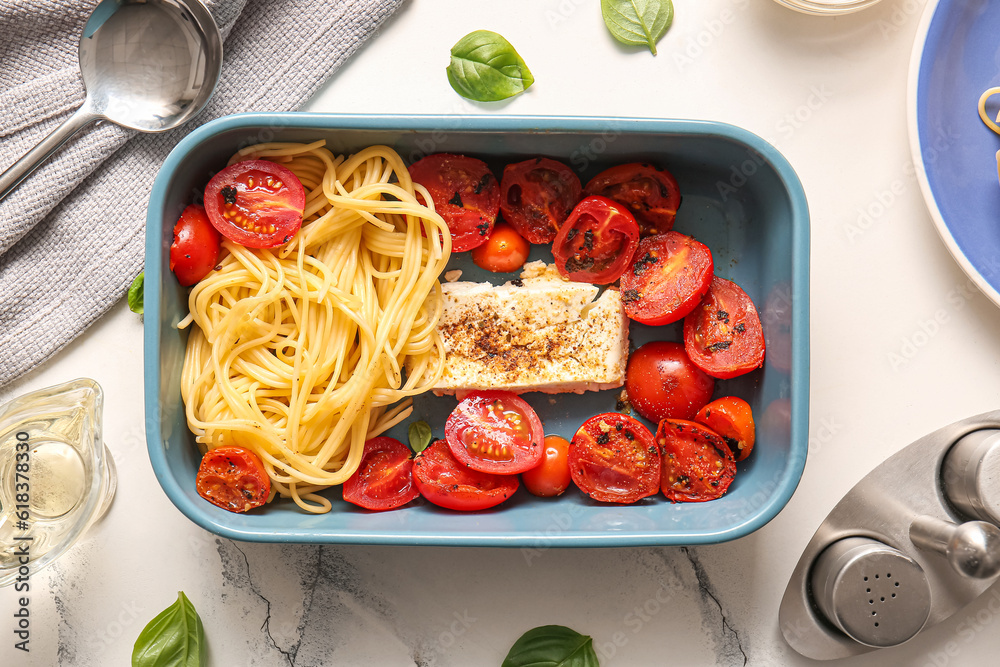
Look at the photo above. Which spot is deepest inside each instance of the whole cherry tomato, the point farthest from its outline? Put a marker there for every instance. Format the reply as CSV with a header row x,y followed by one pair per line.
x,y
551,476
195,248
661,382
504,251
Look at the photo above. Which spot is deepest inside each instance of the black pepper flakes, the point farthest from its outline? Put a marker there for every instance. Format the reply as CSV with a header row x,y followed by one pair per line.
x,y
483,228
456,200
571,234
630,295
722,316
517,282
229,194
721,345
483,182
603,439
740,327
588,239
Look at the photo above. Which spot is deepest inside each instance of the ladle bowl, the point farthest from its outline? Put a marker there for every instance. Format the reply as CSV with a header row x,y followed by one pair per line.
x,y
148,65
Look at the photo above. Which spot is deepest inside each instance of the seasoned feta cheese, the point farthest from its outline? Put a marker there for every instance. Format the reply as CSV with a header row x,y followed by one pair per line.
x,y
539,333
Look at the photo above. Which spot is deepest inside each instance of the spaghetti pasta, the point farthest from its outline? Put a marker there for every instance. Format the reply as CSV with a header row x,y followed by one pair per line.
x,y
299,352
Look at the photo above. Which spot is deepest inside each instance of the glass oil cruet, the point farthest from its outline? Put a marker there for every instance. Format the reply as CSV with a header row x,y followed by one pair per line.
x,y
57,478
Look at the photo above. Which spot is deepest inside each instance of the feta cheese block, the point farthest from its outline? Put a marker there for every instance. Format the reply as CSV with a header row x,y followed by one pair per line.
x,y
539,333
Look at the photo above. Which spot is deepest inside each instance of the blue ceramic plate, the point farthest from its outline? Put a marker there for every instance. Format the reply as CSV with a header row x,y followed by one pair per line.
x,y
956,57
741,198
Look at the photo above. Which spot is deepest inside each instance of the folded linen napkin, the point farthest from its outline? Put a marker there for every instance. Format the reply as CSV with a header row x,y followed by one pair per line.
x,y
72,234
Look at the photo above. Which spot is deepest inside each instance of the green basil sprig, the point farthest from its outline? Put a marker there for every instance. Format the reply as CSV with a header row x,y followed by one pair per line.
x,y
420,436
175,638
135,294
638,22
486,68
552,645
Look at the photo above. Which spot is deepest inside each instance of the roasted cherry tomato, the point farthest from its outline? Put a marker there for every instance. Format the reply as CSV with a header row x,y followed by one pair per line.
x,y
669,275
613,458
256,203
196,245
503,252
722,335
731,418
465,193
537,195
551,476
233,478
697,464
596,242
661,382
650,193
447,483
496,432
384,480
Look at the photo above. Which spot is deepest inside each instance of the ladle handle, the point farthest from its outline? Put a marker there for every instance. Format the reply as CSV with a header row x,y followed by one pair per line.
x,y
46,147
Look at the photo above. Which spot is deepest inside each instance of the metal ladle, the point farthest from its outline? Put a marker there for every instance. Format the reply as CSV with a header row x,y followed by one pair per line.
x,y
148,65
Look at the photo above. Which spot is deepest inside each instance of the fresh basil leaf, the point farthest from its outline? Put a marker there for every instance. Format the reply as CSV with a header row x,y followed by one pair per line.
x,y
175,638
638,22
486,68
420,436
135,293
553,645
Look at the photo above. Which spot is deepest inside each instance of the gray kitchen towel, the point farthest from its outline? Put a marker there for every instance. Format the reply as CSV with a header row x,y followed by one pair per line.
x,y
72,234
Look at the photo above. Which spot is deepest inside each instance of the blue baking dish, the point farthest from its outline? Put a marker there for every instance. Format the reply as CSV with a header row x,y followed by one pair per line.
x,y
740,197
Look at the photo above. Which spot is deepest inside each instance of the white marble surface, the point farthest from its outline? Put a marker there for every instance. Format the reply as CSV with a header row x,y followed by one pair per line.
x,y
831,95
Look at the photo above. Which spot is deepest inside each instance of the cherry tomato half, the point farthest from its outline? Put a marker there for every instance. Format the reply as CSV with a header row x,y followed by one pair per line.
x,y
447,483
661,382
613,458
697,464
256,203
384,480
722,335
503,252
233,478
732,418
537,195
551,476
465,193
495,432
596,242
650,193
195,248
669,275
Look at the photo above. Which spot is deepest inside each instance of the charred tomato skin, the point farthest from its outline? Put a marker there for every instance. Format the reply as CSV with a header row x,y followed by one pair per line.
x,y
650,193
723,334
697,463
596,242
613,458
537,195
668,278
233,478
465,193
